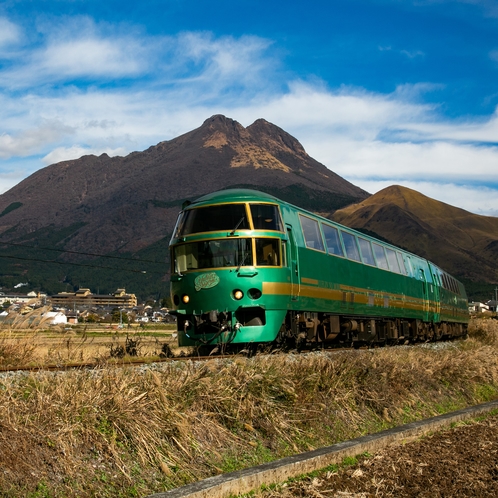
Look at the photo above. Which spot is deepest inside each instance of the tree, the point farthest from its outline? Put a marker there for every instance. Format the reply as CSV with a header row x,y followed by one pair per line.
x,y
119,316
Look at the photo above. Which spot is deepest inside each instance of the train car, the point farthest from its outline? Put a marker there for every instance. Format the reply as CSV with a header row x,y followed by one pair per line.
x,y
249,269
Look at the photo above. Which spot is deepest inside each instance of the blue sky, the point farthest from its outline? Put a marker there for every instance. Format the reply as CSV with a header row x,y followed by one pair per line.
x,y
382,92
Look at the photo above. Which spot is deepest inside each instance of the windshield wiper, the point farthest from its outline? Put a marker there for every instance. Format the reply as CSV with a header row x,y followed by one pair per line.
x,y
237,225
177,268
244,254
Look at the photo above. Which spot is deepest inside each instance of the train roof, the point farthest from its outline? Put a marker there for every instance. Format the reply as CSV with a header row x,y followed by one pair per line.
x,y
250,195
236,194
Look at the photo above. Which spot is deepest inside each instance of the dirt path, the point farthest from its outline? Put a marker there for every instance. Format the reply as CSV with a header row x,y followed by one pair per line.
x,y
458,462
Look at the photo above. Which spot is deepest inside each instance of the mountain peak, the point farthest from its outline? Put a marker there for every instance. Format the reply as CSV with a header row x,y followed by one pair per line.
x,y
411,200
218,131
217,118
274,137
126,194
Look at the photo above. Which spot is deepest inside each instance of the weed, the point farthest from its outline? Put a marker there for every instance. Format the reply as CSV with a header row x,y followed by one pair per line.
x,y
349,461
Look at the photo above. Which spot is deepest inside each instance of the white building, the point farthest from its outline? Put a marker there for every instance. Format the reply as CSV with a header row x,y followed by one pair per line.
x,y
55,317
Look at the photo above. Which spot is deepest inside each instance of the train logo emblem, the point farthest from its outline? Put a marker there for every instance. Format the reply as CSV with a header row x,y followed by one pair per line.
x,y
206,281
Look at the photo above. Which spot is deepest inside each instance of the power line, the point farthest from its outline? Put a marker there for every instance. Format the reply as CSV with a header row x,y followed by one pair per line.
x,y
80,264
81,253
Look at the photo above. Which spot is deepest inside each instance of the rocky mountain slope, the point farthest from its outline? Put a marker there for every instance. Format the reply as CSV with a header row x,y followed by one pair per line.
x,y
128,203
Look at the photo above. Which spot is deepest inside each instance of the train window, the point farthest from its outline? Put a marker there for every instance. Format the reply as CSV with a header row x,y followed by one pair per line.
x,y
380,256
454,285
268,252
440,275
393,261
351,246
266,217
332,240
366,251
212,254
402,264
448,282
216,218
312,235
409,266
284,252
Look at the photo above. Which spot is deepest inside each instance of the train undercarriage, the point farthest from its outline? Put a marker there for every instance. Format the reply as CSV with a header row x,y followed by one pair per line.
x,y
217,332
329,330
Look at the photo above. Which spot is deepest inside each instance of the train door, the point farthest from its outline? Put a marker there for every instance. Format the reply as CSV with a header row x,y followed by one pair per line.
x,y
437,295
425,291
293,263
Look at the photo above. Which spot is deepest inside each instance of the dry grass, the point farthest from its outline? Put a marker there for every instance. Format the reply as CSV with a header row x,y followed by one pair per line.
x,y
129,432
29,340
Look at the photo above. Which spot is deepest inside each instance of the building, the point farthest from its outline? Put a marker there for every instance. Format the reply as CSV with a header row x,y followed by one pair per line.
x,y
31,297
55,318
478,308
492,305
85,298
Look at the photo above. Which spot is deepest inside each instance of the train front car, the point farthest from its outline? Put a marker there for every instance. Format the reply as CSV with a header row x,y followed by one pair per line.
x,y
225,245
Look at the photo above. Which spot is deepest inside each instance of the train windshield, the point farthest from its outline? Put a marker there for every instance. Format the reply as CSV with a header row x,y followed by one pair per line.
x,y
216,218
212,254
266,217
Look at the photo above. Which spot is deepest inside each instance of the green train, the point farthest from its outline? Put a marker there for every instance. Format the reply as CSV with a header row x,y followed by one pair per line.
x,y
249,269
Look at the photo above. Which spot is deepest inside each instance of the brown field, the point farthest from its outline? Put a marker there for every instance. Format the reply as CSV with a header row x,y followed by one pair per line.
x,y
457,461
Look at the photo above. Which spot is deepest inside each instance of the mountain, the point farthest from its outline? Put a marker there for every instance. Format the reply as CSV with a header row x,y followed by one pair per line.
x,y
126,207
462,243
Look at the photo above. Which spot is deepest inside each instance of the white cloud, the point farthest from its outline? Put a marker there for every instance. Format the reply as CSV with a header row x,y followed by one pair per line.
x,y
89,57
225,57
30,141
408,161
411,54
9,33
79,48
75,152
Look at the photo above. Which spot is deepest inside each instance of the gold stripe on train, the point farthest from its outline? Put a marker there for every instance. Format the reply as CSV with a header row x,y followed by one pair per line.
x,y
360,296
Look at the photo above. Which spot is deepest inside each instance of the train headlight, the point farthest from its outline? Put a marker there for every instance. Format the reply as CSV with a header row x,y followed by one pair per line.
x,y
185,298
238,294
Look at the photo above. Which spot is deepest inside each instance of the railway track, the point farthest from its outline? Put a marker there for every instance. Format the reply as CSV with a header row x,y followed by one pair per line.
x,y
95,365
138,362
